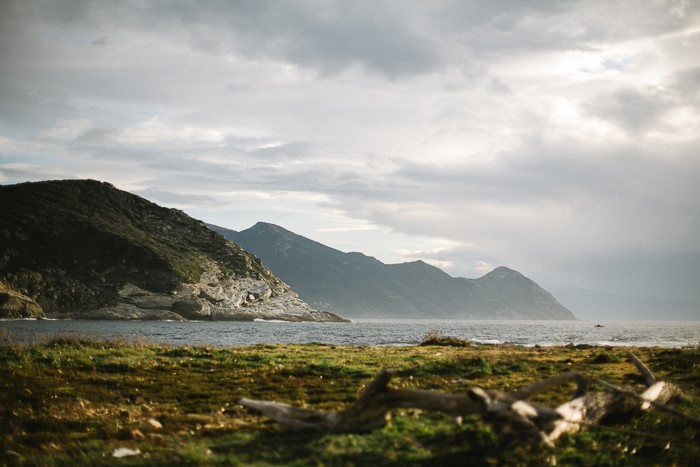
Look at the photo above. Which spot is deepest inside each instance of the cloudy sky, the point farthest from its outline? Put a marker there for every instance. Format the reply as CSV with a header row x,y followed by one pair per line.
x,y
559,138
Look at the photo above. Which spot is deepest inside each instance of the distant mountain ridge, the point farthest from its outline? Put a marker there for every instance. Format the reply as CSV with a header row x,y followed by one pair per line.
x,y
356,285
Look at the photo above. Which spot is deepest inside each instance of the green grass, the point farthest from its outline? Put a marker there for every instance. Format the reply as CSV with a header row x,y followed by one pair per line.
x,y
75,401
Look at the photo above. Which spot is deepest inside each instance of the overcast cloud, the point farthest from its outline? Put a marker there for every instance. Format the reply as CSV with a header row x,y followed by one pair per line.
x,y
561,139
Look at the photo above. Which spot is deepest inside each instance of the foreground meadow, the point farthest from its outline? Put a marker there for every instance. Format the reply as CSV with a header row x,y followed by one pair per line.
x,y
88,402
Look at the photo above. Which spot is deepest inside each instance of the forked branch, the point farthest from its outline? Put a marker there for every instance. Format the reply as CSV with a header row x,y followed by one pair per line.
x,y
508,413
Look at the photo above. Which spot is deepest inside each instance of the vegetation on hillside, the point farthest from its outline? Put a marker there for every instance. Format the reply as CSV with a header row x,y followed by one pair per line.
x,y
79,401
71,244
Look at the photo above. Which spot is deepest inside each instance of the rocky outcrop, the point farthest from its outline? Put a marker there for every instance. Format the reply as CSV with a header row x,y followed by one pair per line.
x,y
84,249
14,304
212,298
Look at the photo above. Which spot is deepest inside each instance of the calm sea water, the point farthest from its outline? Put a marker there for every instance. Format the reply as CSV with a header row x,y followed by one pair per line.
x,y
362,332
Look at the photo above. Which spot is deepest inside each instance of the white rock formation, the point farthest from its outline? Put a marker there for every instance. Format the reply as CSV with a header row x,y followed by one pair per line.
x,y
213,297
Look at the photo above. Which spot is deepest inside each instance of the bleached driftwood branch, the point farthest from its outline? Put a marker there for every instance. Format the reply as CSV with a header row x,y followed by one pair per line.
x,y
509,413
369,412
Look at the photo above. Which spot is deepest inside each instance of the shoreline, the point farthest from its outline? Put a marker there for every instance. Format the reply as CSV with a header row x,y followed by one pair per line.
x,y
374,332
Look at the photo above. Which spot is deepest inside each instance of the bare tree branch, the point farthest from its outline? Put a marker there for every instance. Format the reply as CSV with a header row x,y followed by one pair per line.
x,y
647,375
508,413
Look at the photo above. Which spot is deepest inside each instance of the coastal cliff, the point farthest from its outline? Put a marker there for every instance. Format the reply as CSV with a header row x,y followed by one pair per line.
x,y
84,249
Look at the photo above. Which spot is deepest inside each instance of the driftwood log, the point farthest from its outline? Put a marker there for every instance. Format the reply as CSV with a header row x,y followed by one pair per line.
x,y
510,414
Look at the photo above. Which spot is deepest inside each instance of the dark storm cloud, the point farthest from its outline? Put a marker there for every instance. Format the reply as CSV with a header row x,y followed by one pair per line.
x,y
344,34
332,36
326,36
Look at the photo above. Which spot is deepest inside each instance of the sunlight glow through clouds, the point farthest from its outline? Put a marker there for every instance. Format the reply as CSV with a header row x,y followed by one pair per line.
x,y
160,131
348,228
680,124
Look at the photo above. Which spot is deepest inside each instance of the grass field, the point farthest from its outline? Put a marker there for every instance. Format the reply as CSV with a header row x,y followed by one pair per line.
x,y
80,401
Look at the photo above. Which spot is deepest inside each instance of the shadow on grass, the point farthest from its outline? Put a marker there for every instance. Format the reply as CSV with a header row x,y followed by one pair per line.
x,y
425,440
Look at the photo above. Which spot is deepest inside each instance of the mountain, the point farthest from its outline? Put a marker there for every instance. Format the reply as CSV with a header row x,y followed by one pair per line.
x,y
356,285
84,249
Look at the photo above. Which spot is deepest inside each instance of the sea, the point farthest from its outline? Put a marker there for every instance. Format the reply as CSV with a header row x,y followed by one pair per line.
x,y
360,332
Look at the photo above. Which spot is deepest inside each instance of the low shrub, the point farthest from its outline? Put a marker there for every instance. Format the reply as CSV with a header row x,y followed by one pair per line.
x,y
437,338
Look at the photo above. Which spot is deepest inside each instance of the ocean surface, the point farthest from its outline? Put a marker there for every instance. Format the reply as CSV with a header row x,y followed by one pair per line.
x,y
383,332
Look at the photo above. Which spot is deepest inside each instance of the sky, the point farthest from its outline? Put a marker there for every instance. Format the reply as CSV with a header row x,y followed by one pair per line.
x,y
558,138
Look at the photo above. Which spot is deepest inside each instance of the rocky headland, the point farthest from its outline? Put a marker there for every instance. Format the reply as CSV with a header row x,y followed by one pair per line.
x,y
82,249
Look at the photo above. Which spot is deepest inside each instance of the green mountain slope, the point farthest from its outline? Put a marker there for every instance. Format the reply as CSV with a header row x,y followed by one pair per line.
x,y
360,286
